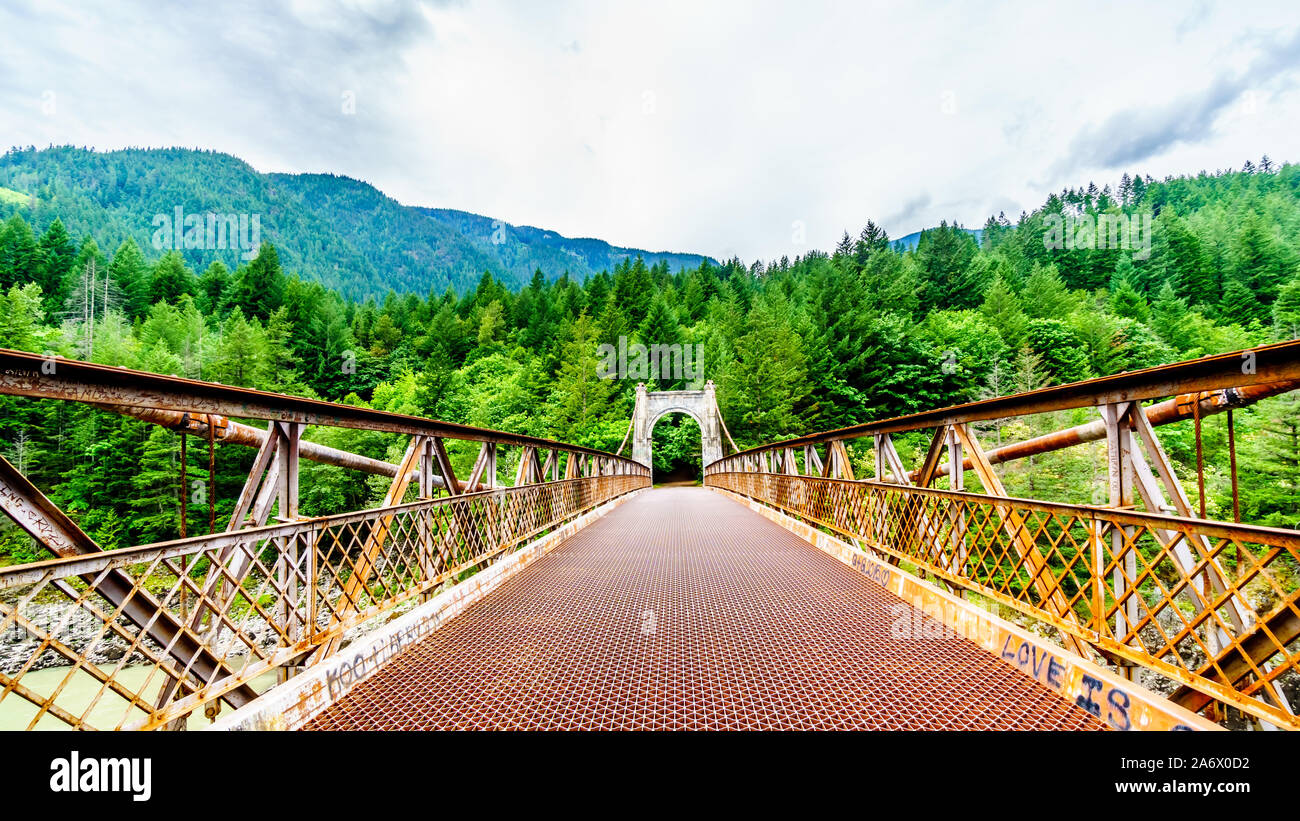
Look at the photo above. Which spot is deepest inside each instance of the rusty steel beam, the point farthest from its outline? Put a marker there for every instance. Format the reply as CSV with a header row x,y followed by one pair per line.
x,y
1254,366
48,524
1164,413
53,377
237,433
1244,657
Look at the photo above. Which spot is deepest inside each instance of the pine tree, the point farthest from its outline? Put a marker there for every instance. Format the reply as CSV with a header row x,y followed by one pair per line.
x,y
598,289
1002,308
1286,310
57,256
491,325
323,344
20,328
768,379
945,253
1045,295
213,287
100,482
282,365
843,255
1168,315
580,398
259,286
171,279
997,383
660,328
536,329
633,289
1027,371
1139,188
1126,301
129,270
1239,305
972,283
1258,260
872,239
1273,471
693,300
385,335
241,357
1185,262
155,503
612,325
19,254
448,332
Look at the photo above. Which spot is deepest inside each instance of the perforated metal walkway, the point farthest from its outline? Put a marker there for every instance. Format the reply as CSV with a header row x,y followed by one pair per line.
x,y
684,609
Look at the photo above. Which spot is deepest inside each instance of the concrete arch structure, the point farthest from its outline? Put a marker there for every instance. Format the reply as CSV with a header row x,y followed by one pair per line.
x,y
651,406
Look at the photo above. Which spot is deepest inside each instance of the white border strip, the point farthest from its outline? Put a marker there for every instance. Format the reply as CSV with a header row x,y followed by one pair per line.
x,y
297,701
1121,704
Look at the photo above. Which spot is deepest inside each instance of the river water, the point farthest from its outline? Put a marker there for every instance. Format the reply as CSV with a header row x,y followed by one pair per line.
x,y
16,712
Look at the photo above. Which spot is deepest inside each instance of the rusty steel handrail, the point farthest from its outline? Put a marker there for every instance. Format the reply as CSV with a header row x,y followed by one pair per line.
x,y
203,409
258,599
1182,407
1116,570
1254,366
53,377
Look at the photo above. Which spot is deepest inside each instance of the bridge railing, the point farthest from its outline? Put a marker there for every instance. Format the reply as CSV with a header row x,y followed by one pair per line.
x,y
145,636
1113,579
230,609
1211,608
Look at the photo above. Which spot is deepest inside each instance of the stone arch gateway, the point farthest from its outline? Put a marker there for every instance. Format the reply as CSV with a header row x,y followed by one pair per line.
x,y
701,405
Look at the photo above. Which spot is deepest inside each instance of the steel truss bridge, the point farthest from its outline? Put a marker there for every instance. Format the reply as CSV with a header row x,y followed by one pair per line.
x,y
787,593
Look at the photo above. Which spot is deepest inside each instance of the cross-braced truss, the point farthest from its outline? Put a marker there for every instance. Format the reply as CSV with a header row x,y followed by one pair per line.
x,y
1210,608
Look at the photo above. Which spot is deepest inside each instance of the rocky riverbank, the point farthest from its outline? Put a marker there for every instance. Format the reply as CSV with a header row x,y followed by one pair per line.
x,y
82,632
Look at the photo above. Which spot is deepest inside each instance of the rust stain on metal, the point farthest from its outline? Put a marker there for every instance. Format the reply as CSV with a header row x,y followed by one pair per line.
x,y
683,610
1177,409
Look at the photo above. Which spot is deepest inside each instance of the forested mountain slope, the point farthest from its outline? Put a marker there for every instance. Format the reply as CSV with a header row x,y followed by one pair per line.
x,y
338,231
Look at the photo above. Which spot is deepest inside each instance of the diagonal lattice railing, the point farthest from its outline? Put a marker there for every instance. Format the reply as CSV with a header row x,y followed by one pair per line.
x,y
255,600
1127,591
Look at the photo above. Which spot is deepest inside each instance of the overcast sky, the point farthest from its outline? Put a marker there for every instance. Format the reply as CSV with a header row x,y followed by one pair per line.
x,y
716,127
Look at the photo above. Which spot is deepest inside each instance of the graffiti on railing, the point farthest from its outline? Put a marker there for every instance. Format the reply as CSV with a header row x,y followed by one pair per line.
x,y
1212,607
255,601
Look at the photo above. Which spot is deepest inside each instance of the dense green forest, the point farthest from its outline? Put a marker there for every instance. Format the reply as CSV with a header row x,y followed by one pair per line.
x,y
794,345
335,230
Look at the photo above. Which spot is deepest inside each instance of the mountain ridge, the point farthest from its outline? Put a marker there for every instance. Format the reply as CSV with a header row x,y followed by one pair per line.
x,y
340,231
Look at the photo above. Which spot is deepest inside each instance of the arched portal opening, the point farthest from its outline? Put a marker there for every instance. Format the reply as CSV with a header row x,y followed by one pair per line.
x,y
677,449
651,406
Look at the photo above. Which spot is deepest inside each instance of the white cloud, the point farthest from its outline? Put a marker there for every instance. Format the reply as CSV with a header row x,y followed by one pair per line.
x,y
674,125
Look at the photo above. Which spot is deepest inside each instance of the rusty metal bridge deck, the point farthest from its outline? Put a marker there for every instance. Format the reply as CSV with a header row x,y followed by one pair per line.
x,y
684,609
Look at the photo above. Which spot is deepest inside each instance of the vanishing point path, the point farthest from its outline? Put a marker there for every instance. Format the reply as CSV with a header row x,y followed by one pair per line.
x,y
684,609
